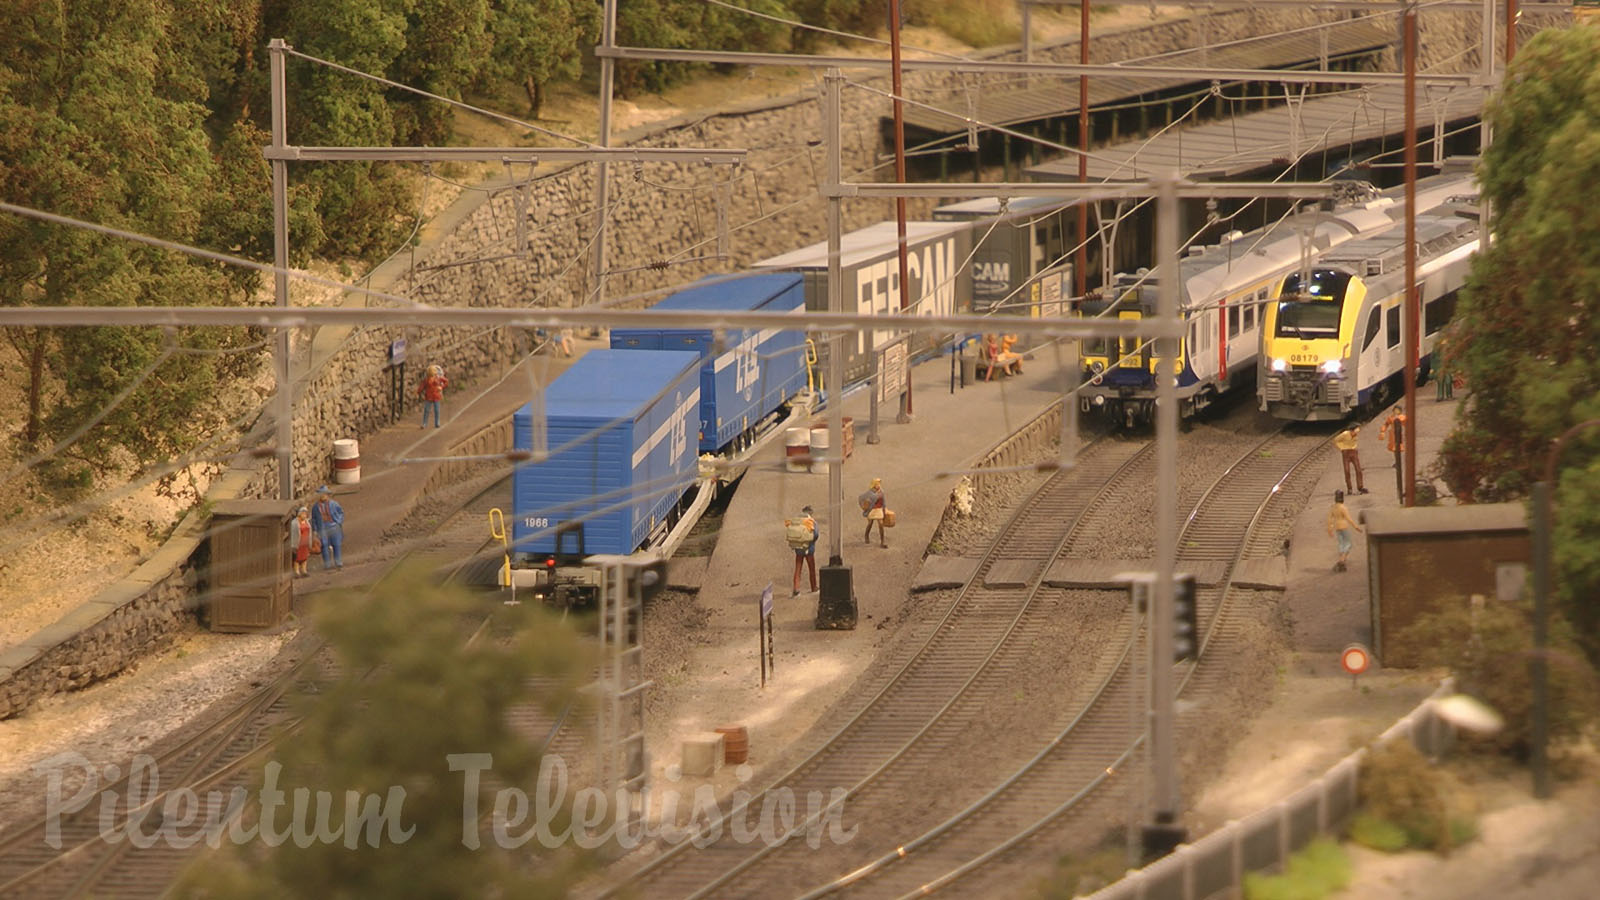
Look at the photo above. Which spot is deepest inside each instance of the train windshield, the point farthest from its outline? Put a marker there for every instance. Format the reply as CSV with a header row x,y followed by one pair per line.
x,y
1313,313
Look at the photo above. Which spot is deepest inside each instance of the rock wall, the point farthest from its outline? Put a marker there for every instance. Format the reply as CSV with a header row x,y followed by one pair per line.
x,y
139,614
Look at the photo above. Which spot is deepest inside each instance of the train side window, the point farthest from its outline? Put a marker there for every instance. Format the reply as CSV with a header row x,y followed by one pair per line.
x,y
1393,317
1233,320
1373,322
1438,312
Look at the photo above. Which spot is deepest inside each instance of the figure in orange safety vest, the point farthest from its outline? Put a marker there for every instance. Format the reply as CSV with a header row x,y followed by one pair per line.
x,y
1394,432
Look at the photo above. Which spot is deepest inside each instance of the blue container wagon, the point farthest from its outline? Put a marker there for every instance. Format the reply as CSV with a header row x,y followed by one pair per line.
x,y
756,371
618,428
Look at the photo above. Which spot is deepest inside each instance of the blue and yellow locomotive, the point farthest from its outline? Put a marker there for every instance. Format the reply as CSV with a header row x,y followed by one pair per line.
x,y
1225,297
1333,343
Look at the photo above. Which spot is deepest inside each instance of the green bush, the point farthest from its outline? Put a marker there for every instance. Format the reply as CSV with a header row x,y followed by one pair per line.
x,y
1377,833
1487,648
1313,873
1407,802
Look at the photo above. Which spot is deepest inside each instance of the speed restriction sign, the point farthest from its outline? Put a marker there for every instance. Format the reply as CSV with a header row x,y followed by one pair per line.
x,y
1355,659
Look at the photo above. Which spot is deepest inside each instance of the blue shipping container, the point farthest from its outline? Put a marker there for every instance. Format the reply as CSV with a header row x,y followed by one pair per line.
x,y
757,371
617,429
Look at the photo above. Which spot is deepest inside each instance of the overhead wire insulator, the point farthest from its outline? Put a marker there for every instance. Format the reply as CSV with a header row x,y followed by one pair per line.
x,y
972,115
723,242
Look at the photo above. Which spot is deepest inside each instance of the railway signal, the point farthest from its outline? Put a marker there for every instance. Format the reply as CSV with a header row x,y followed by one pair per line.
x,y
1185,620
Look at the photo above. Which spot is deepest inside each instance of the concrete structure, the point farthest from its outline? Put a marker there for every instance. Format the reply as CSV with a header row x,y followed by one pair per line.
x,y
1433,559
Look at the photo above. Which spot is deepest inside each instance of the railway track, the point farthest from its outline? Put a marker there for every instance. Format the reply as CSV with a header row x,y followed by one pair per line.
x,y
91,852
940,688
1064,797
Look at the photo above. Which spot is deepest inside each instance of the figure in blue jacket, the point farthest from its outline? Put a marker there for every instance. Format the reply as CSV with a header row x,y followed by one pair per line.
x,y
327,520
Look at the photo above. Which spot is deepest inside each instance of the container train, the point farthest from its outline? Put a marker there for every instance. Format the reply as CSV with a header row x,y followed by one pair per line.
x,y
622,430
1332,343
1225,301
613,460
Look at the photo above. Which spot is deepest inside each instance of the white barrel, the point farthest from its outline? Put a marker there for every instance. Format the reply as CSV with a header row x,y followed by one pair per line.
x,y
796,447
346,461
819,448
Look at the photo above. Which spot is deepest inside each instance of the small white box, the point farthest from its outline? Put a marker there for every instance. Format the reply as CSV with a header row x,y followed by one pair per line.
x,y
702,753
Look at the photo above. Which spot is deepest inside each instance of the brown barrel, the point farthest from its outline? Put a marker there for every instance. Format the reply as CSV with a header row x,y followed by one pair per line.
x,y
735,744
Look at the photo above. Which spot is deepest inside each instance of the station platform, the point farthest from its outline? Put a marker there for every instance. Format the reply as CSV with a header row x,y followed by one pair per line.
x,y
1318,713
948,431
1330,609
717,683
398,461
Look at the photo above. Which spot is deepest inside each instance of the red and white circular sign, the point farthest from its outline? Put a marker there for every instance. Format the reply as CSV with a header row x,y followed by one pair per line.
x,y
1355,659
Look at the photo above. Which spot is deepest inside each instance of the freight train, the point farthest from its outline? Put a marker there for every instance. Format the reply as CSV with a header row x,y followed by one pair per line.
x,y
1332,343
615,446
1225,300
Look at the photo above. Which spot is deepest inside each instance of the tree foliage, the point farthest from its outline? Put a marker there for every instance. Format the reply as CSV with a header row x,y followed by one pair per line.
x,y
410,693
535,44
1530,317
151,115
1488,648
102,119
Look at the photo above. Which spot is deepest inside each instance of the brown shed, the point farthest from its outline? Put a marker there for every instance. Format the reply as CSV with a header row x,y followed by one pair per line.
x,y
250,574
1437,557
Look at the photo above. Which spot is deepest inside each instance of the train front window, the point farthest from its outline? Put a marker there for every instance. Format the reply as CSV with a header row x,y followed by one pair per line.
x,y
1313,313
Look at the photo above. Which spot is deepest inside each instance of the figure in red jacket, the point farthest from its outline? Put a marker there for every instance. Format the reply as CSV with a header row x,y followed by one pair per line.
x,y
431,390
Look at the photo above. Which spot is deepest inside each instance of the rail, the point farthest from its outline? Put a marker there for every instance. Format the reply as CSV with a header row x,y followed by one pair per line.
x,y
930,683
1089,751
84,863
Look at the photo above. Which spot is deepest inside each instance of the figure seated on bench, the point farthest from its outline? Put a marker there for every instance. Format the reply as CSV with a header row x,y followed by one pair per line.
x,y
997,354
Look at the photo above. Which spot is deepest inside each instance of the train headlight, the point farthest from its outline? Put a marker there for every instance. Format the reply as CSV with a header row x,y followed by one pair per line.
x,y
1099,400
1280,365
1097,367
1332,367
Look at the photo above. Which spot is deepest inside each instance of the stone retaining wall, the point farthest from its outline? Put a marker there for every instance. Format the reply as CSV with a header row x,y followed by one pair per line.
x,y
137,615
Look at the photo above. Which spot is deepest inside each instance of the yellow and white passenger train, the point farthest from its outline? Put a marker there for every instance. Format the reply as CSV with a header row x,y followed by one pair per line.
x,y
1226,299
1333,343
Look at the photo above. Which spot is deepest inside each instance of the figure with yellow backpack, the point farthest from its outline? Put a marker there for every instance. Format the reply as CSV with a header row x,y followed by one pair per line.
x,y
801,533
